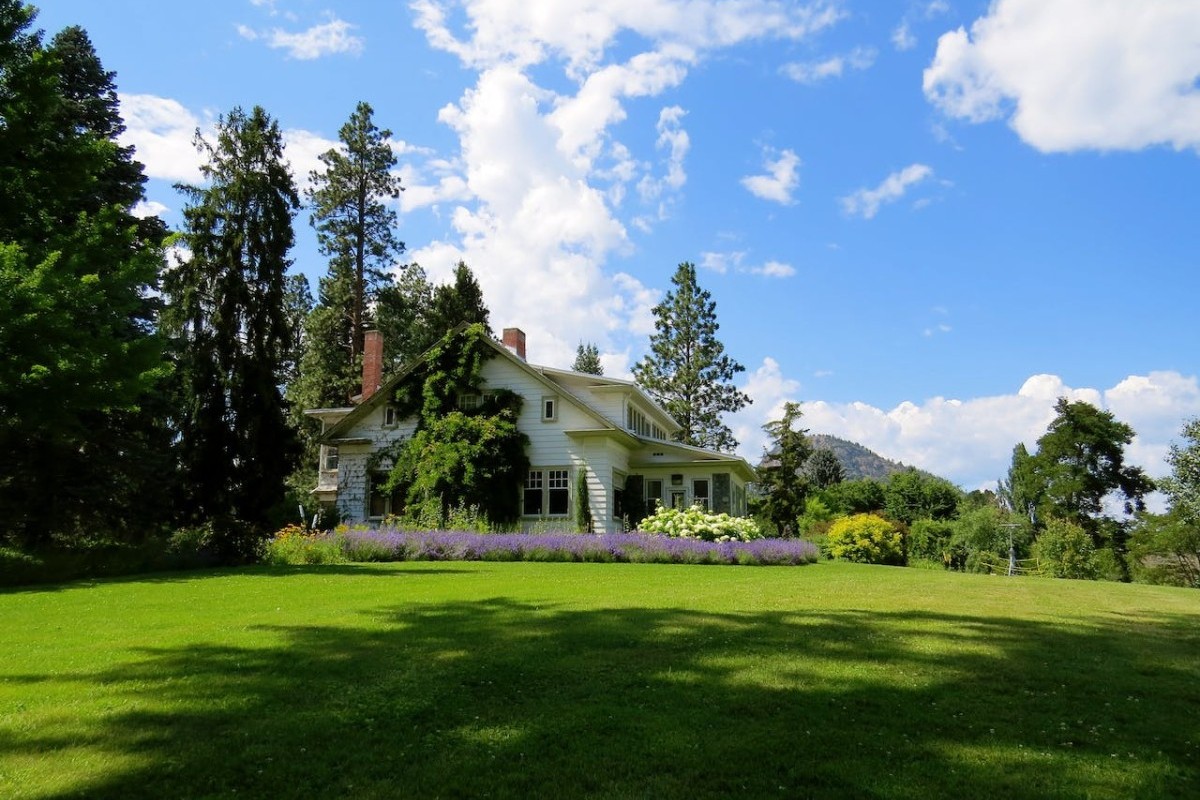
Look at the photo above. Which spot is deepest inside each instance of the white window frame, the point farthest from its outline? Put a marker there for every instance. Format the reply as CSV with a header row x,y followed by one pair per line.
x,y
391,416
546,480
704,501
550,400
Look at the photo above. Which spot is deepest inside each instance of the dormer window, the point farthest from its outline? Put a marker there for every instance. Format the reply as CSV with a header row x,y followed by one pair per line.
x,y
549,409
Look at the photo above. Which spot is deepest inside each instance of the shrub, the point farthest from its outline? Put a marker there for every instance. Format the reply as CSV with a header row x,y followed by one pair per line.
x,y
1065,550
696,523
294,544
866,539
929,540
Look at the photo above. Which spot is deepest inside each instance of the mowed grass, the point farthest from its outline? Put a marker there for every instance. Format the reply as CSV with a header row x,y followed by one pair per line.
x,y
598,680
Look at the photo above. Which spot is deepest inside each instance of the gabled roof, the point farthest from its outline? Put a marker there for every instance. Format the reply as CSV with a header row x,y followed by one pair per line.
x,y
605,383
385,391
545,376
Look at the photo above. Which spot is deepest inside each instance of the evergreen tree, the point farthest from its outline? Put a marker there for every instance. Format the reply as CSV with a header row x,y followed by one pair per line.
x,y
228,315
402,311
587,359
782,479
458,302
80,357
824,469
356,230
687,370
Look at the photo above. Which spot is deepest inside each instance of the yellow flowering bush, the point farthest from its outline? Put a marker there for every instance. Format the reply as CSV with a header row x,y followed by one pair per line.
x,y
867,539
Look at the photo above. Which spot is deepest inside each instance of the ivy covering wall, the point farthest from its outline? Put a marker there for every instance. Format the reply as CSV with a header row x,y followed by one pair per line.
x,y
458,457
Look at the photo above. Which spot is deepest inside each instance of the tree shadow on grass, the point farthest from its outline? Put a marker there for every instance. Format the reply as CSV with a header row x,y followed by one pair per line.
x,y
188,575
502,699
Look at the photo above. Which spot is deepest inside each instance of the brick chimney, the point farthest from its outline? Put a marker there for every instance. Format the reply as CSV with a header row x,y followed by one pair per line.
x,y
372,376
514,340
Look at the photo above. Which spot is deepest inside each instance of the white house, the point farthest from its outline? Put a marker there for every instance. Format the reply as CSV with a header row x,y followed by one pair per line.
x,y
609,427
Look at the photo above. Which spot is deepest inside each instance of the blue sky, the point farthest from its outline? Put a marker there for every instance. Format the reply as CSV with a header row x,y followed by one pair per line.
x,y
924,220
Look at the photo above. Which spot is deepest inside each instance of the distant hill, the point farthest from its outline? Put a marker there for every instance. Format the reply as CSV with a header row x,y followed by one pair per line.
x,y
856,460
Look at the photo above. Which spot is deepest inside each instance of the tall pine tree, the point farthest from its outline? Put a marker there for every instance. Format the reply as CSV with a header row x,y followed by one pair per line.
x,y
782,477
687,370
587,359
228,313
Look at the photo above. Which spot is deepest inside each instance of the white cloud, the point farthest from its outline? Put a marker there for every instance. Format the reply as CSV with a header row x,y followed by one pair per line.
x,y
768,389
162,131
775,269
866,202
329,38
541,175
1076,74
303,149
811,72
902,37
970,441
148,208
781,179
722,263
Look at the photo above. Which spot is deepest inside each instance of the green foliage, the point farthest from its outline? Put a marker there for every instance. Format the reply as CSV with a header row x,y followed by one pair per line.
x,y
1081,461
782,480
930,540
687,370
823,469
1065,550
816,512
862,496
233,335
981,539
1182,486
296,545
77,279
866,539
587,359
458,457
457,303
1165,548
583,507
913,495
696,523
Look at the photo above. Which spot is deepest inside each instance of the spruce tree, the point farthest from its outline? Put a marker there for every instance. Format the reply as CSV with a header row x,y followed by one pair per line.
x,y
781,477
227,311
587,359
687,370
458,302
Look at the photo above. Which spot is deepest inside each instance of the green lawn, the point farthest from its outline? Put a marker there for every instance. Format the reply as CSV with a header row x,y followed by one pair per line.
x,y
600,680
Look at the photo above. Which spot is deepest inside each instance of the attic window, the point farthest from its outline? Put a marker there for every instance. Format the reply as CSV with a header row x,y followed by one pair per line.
x,y
549,409
390,416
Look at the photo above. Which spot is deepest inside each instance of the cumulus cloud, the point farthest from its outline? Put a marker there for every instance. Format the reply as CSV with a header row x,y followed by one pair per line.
x,y
865,203
328,38
811,72
970,441
148,208
162,131
1076,74
781,178
303,149
537,207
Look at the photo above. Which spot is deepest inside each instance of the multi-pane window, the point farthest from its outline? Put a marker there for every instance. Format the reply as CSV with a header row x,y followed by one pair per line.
x,y
558,486
547,493
381,503
329,460
654,494
534,491
637,422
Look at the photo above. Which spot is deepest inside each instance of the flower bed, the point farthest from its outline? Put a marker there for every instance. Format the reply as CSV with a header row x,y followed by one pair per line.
x,y
368,544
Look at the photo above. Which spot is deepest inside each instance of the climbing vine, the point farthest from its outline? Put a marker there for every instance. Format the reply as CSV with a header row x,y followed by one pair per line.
x,y
458,457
